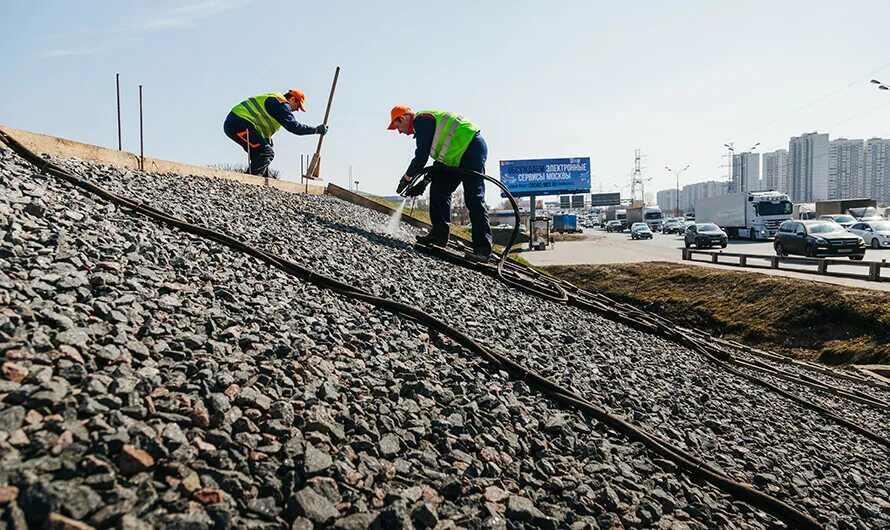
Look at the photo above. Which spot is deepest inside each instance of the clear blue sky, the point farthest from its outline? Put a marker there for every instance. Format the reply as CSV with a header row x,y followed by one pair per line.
x,y
569,78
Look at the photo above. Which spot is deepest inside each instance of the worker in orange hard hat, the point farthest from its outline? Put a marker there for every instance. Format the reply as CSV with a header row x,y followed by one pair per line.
x,y
252,123
452,141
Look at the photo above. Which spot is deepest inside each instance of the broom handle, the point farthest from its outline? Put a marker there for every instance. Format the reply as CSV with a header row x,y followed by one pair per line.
x,y
314,170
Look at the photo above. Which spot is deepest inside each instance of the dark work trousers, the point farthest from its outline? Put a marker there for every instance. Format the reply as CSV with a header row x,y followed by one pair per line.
x,y
445,182
260,149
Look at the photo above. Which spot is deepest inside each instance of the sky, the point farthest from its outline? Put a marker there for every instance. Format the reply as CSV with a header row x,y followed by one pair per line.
x,y
569,78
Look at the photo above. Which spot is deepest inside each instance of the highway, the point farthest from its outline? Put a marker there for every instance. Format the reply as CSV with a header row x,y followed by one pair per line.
x,y
601,247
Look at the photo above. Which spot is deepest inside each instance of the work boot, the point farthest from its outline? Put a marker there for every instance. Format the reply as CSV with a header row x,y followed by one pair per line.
x,y
433,239
478,257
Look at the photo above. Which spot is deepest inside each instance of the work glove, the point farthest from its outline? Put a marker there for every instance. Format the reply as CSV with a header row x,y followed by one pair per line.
x,y
321,129
417,189
403,183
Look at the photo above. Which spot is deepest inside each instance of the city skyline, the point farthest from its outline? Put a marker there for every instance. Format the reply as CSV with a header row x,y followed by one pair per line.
x,y
814,167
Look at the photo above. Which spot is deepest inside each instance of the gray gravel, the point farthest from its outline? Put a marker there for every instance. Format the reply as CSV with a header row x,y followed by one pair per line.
x,y
153,378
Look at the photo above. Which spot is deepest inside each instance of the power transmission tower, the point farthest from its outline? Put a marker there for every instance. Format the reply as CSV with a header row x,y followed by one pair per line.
x,y
636,179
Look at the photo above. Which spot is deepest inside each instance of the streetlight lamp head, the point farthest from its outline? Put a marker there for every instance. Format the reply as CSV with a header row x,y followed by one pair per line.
x,y
883,87
875,81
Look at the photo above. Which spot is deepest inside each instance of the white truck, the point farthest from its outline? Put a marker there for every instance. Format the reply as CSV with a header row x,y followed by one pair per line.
x,y
752,214
651,215
621,215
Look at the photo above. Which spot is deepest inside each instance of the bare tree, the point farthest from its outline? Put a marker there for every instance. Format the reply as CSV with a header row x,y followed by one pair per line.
x,y
459,213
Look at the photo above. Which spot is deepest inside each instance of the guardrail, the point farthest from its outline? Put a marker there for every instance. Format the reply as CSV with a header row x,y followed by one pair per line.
x,y
775,262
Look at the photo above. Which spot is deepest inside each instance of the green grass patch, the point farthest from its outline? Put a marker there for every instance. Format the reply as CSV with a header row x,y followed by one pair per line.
x,y
817,321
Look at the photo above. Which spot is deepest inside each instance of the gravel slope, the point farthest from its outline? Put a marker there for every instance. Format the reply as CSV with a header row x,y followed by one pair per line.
x,y
152,378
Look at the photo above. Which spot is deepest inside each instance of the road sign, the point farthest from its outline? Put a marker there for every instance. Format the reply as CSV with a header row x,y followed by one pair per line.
x,y
605,199
549,176
565,201
577,201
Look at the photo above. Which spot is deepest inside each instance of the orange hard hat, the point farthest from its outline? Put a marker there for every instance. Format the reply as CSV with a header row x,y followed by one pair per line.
x,y
398,110
299,96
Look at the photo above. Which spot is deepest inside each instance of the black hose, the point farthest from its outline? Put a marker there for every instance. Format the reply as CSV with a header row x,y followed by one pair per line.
x,y
535,285
691,465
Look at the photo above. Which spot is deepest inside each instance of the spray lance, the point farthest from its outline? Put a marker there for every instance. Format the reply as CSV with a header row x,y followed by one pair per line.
x,y
414,187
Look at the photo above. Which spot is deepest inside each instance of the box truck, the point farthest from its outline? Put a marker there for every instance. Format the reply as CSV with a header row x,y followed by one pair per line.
x,y
651,215
565,223
752,214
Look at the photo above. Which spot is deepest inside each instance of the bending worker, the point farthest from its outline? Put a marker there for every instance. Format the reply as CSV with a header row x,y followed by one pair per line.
x,y
252,123
452,141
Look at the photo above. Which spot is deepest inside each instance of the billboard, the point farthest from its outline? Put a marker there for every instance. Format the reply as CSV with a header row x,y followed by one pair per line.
x,y
565,202
577,201
605,199
549,176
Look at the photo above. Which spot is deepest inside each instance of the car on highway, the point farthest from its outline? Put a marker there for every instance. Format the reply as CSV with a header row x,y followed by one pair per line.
x,y
704,235
614,226
640,231
817,238
842,219
672,226
875,233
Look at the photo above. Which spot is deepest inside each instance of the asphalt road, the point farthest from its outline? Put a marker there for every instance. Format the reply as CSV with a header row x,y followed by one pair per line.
x,y
602,248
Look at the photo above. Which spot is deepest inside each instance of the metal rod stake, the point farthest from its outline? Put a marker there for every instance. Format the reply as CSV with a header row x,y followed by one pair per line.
x,y
141,144
117,82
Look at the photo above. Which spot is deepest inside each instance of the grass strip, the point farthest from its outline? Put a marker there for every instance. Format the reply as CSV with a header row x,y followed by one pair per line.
x,y
832,324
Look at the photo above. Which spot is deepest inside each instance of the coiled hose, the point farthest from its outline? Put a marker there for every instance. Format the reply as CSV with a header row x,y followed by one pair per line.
x,y
684,460
514,275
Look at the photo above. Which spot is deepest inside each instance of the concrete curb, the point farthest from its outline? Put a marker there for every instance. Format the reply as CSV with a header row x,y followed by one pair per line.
x,y
64,148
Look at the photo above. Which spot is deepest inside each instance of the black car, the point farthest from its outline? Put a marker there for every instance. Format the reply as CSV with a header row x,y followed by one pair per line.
x,y
705,235
816,239
672,226
640,231
614,226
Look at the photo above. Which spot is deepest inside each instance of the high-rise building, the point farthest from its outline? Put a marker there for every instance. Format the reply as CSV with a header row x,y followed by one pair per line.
x,y
808,167
691,193
846,169
877,170
746,172
667,200
775,170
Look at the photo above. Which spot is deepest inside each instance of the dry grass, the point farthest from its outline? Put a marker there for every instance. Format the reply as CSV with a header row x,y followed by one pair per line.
x,y
832,324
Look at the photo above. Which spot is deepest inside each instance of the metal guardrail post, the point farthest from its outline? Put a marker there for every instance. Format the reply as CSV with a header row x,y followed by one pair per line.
x,y
775,262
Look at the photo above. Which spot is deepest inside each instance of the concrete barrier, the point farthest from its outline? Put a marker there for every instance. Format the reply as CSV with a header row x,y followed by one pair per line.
x,y
64,148
361,200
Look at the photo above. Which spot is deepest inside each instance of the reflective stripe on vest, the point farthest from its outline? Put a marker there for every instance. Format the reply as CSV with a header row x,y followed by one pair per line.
x,y
254,110
452,137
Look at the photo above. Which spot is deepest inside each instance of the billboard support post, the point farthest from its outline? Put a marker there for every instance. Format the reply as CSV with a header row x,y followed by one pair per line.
x,y
531,222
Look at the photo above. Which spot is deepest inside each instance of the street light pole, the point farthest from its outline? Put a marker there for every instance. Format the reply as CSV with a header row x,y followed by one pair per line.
x,y
731,149
677,175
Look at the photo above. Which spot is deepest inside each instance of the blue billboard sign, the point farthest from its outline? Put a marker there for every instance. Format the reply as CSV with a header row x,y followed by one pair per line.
x,y
549,176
